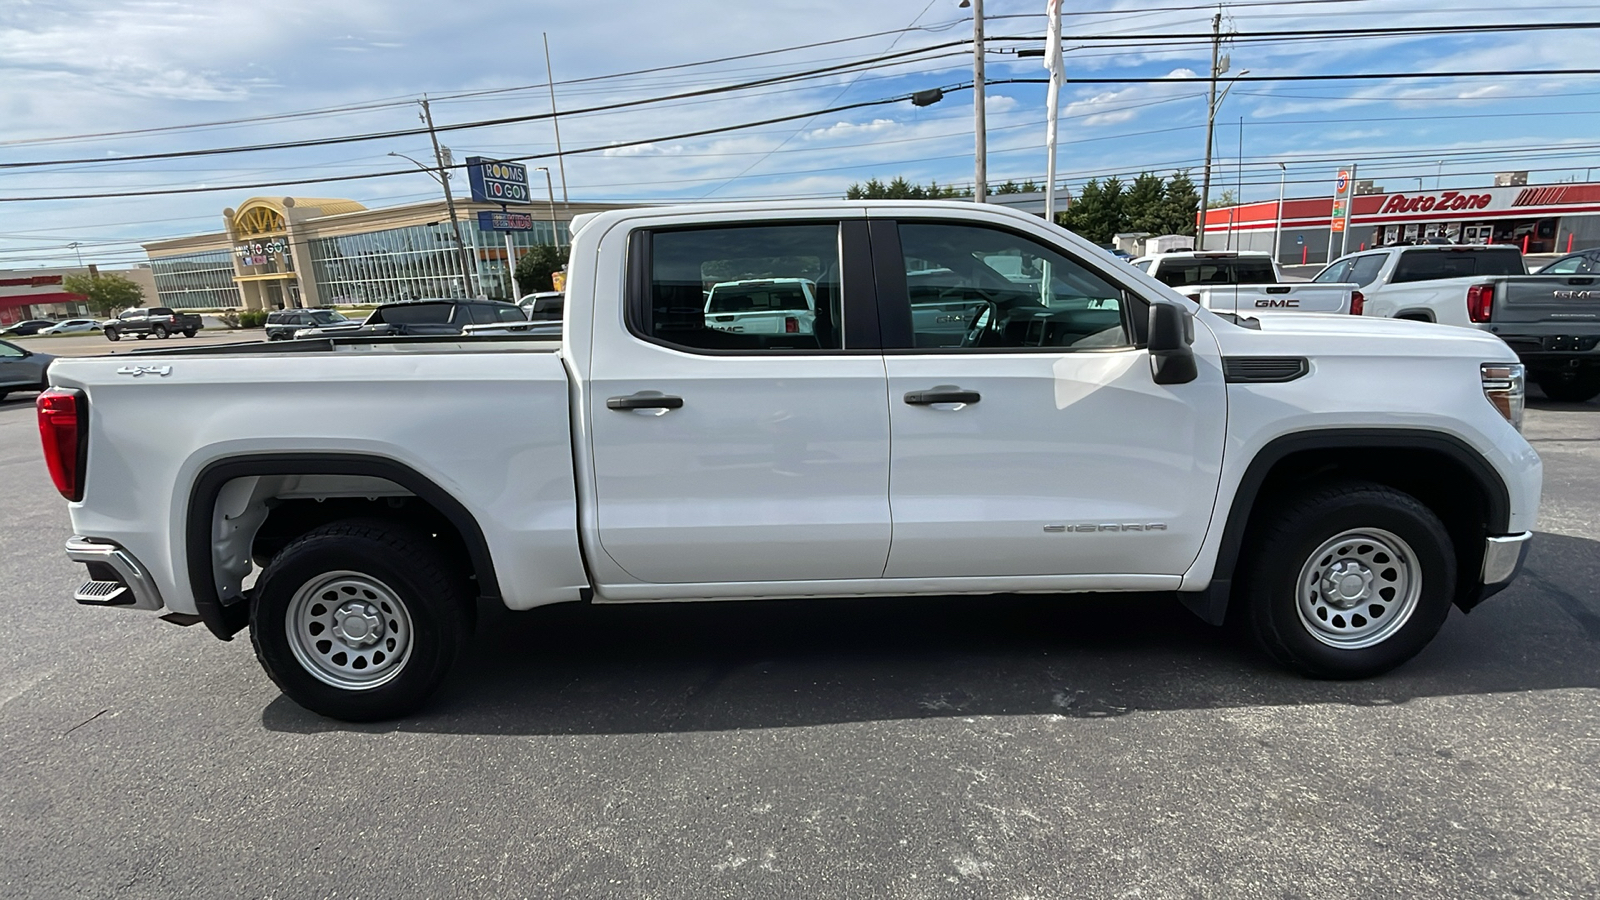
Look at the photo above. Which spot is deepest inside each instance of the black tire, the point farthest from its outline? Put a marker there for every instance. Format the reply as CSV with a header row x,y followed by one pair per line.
x,y
189,332
435,616
1571,385
1333,533
160,331
113,335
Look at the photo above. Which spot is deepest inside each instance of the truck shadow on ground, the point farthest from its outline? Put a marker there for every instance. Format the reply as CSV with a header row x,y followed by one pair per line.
x,y
722,666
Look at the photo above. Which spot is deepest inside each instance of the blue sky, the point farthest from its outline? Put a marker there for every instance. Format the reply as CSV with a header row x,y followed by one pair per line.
x,y
82,67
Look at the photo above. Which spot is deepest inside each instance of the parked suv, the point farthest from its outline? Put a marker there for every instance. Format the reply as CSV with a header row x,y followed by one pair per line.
x,y
160,321
283,323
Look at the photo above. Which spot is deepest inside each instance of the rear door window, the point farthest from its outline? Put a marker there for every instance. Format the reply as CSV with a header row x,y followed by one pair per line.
x,y
1365,269
754,288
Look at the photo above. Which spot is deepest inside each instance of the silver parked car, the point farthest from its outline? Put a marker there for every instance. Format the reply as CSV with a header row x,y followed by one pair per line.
x,y
73,326
22,370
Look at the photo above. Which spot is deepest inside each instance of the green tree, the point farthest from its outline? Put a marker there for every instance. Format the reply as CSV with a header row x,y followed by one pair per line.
x,y
901,189
1180,206
1097,212
1145,202
108,293
537,265
1228,198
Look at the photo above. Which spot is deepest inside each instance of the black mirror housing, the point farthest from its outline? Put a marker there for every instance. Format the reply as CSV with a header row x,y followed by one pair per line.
x,y
1171,344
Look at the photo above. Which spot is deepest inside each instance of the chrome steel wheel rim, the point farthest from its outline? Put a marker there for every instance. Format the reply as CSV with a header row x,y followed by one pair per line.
x,y
1358,588
349,630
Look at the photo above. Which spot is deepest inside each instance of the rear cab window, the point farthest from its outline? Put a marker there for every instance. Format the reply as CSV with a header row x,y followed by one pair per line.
x,y
1238,270
1429,265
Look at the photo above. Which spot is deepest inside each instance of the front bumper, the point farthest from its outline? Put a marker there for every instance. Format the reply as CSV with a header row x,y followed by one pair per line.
x,y
1503,557
115,577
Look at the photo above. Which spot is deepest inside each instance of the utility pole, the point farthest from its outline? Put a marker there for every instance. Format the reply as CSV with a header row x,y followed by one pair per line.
x,y
1211,117
449,200
550,82
980,155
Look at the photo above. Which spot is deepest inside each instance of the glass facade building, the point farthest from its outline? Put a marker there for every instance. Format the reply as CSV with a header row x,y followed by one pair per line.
x,y
416,261
200,280
280,252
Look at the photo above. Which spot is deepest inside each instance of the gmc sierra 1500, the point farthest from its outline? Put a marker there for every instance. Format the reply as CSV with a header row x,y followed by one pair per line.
x,y
1081,428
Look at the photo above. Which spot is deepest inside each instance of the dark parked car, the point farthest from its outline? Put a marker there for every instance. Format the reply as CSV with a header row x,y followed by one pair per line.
x,y
1585,263
414,317
22,329
22,370
283,323
160,321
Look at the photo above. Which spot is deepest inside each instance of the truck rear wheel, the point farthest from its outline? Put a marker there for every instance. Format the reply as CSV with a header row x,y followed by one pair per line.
x,y
1571,385
1348,580
189,332
360,620
159,331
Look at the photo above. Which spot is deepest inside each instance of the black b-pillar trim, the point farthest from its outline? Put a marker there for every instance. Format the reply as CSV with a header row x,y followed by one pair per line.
x,y
227,619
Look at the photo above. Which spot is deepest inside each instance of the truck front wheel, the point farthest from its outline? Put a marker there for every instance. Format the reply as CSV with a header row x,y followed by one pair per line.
x,y
1348,580
360,620
1571,385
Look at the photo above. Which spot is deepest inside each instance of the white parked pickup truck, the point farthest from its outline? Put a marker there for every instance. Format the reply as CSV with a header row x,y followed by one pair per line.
x,y
349,499
1247,282
1552,321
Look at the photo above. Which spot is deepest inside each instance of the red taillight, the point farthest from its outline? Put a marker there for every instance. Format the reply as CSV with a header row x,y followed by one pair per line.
x,y
1480,302
791,325
63,417
172,319
1358,302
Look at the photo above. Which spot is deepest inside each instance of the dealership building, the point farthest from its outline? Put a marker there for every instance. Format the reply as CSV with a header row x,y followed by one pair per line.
x,y
279,252
1550,218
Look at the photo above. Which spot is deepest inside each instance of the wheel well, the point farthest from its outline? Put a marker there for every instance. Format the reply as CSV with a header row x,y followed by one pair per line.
x,y
1443,472
243,511
1442,482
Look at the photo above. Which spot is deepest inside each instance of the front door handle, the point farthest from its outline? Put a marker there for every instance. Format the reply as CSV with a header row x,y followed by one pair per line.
x,y
644,400
942,394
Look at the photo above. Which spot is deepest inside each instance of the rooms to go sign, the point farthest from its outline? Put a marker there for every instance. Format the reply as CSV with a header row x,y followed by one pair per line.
x,y
497,182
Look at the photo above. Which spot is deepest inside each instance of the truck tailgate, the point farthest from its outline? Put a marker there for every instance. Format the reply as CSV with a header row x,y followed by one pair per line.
x,y
1256,298
1549,299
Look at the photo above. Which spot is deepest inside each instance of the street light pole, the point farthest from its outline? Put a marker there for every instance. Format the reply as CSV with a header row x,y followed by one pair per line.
x,y
555,233
1277,230
980,150
74,247
1211,118
449,200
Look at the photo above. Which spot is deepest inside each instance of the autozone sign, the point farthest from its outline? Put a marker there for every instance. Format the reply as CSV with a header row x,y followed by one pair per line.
x,y
1447,200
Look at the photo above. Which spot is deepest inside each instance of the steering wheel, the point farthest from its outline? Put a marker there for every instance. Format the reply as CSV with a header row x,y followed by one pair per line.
x,y
980,323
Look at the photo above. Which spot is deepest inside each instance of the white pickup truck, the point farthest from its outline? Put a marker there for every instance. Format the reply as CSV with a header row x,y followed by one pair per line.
x,y
1246,282
1552,321
349,499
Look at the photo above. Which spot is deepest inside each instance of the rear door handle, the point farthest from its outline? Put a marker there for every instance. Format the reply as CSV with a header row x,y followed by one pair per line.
x,y
644,400
942,394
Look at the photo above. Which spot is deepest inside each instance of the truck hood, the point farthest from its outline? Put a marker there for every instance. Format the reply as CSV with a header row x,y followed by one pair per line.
x,y
1311,335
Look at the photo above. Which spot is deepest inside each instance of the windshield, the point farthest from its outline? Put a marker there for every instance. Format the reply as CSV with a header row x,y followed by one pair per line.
x,y
327,318
757,298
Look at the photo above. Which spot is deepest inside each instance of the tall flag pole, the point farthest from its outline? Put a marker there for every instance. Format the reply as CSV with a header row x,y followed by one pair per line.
x,y
1053,62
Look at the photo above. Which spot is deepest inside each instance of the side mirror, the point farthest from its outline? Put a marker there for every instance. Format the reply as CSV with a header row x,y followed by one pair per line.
x,y
1171,344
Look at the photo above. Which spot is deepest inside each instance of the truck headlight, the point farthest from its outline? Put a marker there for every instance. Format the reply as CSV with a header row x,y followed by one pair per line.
x,y
1506,386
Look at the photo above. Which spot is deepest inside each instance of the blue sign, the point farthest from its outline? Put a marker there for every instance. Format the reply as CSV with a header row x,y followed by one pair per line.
x,y
497,182
1298,239
505,221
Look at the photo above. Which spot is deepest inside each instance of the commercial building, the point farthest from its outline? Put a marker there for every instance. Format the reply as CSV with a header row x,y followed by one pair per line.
x,y
39,293
1551,218
279,252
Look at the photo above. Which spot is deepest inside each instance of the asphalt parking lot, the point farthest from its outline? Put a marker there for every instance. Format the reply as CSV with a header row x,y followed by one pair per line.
x,y
977,747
